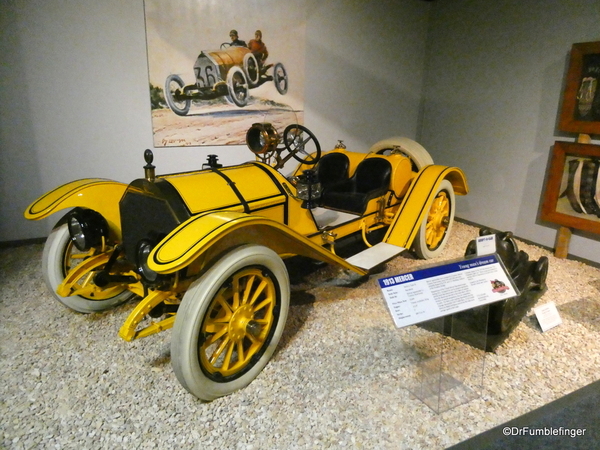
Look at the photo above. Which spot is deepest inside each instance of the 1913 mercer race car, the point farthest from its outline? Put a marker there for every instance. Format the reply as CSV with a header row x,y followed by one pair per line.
x,y
230,72
204,250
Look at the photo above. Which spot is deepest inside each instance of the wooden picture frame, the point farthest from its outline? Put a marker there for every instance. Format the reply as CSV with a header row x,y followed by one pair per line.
x,y
572,196
580,111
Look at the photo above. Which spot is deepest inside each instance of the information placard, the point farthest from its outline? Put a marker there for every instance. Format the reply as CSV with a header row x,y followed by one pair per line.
x,y
547,316
438,291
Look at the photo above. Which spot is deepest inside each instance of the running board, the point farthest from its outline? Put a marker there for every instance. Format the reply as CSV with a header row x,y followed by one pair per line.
x,y
373,256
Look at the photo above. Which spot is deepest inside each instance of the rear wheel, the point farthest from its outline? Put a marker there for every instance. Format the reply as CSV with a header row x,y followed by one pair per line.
x,y
435,228
173,90
280,78
501,315
60,256
230,321
251,69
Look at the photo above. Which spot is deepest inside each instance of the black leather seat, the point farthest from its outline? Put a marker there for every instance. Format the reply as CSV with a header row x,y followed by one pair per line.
x,y
371,180
332,168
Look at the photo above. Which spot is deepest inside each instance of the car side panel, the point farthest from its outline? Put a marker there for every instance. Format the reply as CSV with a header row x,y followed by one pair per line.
x,y
417,202
202,238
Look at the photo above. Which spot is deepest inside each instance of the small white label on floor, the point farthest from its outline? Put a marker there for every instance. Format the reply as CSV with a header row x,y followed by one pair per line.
x,y
547,316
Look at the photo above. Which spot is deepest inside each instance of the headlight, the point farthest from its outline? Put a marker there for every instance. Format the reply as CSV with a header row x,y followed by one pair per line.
x,y
262,138
87,228
308,189
143,252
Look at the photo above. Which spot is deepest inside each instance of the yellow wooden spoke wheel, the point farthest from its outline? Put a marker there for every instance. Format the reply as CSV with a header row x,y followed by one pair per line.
x,y
437,220
435,228
238,322
59,257
230,321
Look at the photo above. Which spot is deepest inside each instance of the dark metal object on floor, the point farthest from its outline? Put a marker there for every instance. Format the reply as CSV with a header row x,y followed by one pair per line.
x,y
503,316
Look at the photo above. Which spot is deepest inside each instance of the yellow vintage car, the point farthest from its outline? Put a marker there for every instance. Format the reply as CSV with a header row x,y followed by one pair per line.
x,y
204,251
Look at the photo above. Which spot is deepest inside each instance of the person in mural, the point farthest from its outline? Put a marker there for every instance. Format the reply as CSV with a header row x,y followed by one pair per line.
x,y
258,48
235,40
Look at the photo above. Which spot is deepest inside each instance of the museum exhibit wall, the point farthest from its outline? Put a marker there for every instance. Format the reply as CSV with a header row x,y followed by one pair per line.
x,y
477,82
494,79
75,103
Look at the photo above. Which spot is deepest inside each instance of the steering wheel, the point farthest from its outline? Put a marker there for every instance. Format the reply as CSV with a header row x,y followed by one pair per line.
x,y
225,45
300,140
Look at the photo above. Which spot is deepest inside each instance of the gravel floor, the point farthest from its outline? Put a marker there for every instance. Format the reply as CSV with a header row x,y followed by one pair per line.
x,y
337,379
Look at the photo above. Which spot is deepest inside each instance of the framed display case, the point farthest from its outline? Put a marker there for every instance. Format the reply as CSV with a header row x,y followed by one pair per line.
x,y
580,111
572,196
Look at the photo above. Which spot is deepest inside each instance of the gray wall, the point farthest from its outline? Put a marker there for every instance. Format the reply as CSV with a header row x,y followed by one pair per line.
x,y
477,82
494,78
74,101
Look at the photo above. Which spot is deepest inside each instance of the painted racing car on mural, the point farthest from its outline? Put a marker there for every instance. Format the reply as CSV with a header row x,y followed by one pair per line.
x,y
204,251
229,72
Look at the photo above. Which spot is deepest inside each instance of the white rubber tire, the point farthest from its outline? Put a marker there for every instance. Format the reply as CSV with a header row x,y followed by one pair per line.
x,y
194,307
420,246
53,268
415,151
237,86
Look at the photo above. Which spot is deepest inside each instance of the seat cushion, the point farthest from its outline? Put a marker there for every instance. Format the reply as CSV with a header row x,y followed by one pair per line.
x,y
354,202
370,180
332,168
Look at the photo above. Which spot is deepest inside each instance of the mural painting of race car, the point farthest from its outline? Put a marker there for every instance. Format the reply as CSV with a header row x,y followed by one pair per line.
x,y
229,72
203,252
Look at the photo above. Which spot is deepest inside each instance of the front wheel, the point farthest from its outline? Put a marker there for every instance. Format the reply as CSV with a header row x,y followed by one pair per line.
x,y
60,256
437,223
237,86
175,97
230,321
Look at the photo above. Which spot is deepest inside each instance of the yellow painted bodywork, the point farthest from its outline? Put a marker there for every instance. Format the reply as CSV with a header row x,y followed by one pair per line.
x,y
417,202
265,192
208,191
232,206
101,195
402,174
200,239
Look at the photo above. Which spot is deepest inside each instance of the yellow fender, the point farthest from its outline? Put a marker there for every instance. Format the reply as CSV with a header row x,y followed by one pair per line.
x,y
201,238
101,195
417,202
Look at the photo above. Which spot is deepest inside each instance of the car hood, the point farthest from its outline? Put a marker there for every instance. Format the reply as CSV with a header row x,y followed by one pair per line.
x,y
223,188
